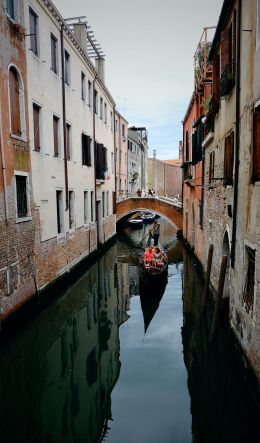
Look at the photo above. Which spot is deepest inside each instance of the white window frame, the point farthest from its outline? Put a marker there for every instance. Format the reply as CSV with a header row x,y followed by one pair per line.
x,y
34,102
37,32
71,211
86,207
83,86
67,67
21,104
52,34
62,232
28,193
59,135
16,18
257,31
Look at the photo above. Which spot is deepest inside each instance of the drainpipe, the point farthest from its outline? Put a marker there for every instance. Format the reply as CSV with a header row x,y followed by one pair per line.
x,y
182,154
119,151
64,117
2,158
237,145
114,120
95,159
202,187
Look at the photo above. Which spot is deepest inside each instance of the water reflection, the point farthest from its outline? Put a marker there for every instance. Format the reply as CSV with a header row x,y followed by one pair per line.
x,y
221,408
57,376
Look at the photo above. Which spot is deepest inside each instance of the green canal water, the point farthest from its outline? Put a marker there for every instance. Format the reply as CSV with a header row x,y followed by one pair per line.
x,y
84,370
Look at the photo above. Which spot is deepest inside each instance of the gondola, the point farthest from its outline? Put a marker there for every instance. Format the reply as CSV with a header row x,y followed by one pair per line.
x,y
153,275
148,217
135,223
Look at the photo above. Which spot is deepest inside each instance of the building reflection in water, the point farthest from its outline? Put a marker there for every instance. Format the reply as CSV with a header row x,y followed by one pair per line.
x,y
57,375
214,384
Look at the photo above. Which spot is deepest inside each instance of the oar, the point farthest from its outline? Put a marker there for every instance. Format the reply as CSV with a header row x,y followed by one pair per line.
x,y
140,244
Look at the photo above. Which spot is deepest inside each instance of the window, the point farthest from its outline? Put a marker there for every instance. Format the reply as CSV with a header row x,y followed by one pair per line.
x,y
21,196
36,127
107,203
116,126
112,163
187,146
89,93
71,210
103,204
10,8
229,160
96,101
101,108
68,141
256,144
248,297
258,25
83,86
101,161
92,205
85,207
111,120
105,113
56,135
54,54
67,68
123,130
59,205
211,166
33,18
15,102
86,150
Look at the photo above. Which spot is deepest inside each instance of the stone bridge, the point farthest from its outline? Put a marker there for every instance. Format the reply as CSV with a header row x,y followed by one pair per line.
x,y
162,206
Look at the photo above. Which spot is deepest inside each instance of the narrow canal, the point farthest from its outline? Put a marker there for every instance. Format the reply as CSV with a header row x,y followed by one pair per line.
x,y
85,370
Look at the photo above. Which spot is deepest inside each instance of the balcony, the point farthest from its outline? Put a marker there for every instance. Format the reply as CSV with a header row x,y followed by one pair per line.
x,y
188,173
226,81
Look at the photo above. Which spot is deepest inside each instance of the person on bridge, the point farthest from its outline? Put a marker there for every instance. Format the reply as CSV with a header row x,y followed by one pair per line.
x,y
156,232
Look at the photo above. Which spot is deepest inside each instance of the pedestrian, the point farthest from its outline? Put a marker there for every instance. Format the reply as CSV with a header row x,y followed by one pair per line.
x,y
156,232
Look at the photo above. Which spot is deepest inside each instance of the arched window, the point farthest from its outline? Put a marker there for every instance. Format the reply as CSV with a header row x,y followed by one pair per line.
x,y
15,111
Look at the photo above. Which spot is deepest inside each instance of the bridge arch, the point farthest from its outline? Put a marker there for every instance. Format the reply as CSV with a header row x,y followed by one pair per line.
x,y
165,208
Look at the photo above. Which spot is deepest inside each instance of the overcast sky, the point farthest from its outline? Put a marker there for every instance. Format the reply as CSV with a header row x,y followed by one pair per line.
x,y
149,47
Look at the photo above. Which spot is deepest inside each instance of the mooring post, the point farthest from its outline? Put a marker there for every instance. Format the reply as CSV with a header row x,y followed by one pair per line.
x,y
219,297
207,279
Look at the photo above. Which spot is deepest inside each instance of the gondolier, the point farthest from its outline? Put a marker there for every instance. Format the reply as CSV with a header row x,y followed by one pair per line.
x,y
156,232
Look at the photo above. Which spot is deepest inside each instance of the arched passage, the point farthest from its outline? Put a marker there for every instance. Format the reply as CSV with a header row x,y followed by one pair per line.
x,y
166,209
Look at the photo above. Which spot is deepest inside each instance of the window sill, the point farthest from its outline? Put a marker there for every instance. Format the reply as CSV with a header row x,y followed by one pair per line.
x,y
35,56
56,74
256,184
23,219
61,236
18,137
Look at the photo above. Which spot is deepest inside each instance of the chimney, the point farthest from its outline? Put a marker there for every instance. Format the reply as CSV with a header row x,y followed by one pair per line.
x,y
80,32
100,67
154,153
180,150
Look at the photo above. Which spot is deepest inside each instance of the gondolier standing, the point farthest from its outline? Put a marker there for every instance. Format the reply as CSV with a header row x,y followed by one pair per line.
x,y
156,231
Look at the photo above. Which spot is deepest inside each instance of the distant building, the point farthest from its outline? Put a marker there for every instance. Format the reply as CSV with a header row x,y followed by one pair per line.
x,y
121,151
165,176
137,159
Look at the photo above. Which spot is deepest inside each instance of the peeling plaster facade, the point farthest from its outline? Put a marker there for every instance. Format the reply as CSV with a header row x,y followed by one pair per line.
x,y
222,221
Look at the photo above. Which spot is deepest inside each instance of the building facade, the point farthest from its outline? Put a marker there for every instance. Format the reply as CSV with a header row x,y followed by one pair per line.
x,y
121,131
231,171
17,227
57,149
165,177
193,158
137,160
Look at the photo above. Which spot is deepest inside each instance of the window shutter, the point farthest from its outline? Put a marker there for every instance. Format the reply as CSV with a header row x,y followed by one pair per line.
x,y
199,143
14,102
256,145
229,159
224,48
194,148
36,127
55,136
